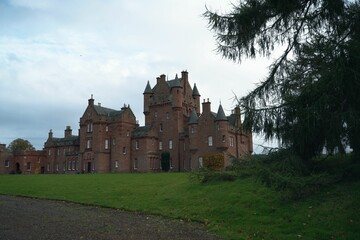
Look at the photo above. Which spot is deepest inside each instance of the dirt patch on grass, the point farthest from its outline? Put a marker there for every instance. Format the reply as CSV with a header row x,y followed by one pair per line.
x,y
26,218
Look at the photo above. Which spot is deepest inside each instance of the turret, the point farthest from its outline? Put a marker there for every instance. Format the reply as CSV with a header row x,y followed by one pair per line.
x,y
193,125
222,128
147,97
196,97
177,94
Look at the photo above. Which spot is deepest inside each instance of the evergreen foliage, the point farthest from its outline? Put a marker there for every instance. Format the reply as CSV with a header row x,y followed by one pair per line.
x,y
309,100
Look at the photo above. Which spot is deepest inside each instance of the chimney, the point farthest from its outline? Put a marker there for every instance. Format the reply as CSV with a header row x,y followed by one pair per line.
x,y
91,101
162,77
68,132
184,76
50,135
206,106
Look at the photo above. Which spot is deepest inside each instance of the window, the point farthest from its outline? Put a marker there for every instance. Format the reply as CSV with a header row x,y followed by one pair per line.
x,y
170,144
160,145
231,141
7,163
69,165
167,115
88,143
57,167
49,152
210,141
106,129
89,127
39,160
58,152
73,165
114,142
161,127
137,144
28,166
155,114
192,130
127,133
64,151
223,138
116,163
48,167
106,143
124,150
136,163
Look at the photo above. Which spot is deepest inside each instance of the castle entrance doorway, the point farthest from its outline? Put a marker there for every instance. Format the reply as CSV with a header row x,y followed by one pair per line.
x,y
89,167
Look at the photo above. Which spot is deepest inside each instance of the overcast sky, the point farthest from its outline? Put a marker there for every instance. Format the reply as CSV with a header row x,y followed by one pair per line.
x,y
55,53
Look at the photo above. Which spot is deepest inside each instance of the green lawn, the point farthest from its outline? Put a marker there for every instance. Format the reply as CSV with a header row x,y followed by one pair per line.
x,y
234,210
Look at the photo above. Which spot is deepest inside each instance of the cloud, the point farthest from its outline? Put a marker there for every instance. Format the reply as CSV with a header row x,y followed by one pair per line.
x,y
55,54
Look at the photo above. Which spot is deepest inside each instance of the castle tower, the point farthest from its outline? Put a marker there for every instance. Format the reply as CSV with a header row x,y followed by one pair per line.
x,y
196,96
221,129
193,129
177,94
147,99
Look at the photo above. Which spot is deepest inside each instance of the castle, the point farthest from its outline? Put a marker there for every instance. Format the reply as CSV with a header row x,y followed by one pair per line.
x,y
111,140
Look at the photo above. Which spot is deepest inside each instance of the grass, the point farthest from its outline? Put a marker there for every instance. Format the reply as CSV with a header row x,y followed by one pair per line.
x,y
242,209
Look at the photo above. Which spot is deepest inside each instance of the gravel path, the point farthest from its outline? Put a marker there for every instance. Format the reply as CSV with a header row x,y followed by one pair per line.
x,y
26,218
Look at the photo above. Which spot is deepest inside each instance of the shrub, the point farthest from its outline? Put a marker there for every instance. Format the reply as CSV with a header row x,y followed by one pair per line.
x,y
214,162
205,176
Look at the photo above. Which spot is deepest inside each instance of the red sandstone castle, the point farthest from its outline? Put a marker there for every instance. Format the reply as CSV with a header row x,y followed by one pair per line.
x,y
111,140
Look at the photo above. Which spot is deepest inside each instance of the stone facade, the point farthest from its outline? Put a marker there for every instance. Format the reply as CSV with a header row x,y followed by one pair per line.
x,y
112,141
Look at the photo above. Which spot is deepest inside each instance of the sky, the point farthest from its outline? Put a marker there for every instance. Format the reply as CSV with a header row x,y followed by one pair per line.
x,y
54,54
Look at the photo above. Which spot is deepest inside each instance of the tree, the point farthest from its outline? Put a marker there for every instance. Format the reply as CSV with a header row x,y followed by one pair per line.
x,y
20,145
309,100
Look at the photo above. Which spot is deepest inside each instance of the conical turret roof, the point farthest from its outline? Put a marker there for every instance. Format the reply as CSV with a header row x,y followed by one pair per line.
x,y
193,117
148,88
195,91
220,116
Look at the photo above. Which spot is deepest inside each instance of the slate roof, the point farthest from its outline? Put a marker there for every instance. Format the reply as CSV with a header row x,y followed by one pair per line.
x,y
141,131
73,140
106,111
174,83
